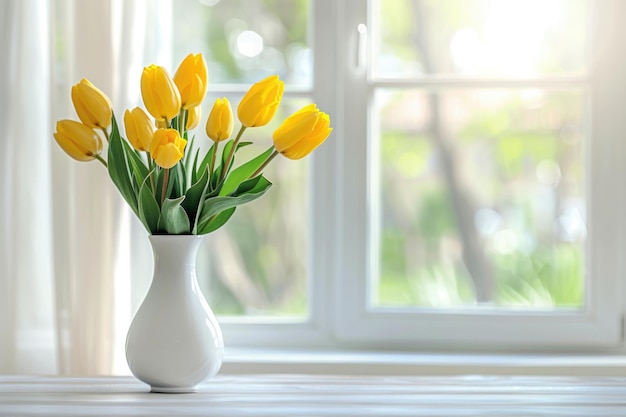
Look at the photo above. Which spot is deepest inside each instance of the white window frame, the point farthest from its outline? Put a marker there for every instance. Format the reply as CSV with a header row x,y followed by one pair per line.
x,y
342,207
598,325
316,330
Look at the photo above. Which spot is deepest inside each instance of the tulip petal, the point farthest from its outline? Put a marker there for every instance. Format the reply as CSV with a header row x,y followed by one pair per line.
x,y
220,122
167,147
259,105
139,128
191,79
78,140
292,131
302,132
92,106
160,94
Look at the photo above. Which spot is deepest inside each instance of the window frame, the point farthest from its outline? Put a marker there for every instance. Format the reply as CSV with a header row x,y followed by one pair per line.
x,y
316,329
342,181
597,325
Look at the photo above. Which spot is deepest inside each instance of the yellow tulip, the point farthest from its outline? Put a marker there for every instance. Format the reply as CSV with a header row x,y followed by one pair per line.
x,y
191,78
260,103
160,94
92,105
78,140
219,125
302,132
139,129
193,117
167,147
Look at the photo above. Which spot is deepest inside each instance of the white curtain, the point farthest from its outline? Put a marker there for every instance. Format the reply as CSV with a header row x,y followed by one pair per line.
x,y
26,279
66,288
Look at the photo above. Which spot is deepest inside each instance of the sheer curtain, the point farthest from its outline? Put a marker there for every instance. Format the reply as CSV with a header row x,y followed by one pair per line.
x,y
26,280
67,293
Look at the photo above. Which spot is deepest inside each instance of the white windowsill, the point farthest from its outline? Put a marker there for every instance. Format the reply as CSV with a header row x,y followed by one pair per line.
x,y
275,361
319,395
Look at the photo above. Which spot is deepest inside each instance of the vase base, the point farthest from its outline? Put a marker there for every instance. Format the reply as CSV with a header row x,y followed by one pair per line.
x,y
174,390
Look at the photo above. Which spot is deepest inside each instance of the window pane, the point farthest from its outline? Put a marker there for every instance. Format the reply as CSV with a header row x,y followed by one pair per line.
x,y
506,38
482,198
244,41
257,263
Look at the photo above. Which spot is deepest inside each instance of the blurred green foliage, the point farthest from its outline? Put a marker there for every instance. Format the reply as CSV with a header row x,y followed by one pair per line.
x,y
497,152
497,139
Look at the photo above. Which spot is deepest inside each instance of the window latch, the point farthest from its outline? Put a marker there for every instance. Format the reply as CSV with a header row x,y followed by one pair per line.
x,y
361,47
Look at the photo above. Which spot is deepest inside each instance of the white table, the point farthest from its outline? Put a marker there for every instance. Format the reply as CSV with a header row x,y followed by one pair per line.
x,y
318,395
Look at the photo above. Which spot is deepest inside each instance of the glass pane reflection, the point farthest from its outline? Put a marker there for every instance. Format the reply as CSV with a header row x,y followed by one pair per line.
x,y
482,38
256,264
483,199
244,41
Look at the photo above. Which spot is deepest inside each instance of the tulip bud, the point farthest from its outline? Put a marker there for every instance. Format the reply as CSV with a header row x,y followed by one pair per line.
x,y
167,147
78,140
302,132
193,117
92,106
191,79
260,103
139,129
219,125
160,94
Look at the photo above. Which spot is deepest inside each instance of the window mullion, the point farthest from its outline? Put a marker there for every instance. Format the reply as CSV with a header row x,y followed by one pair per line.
x,y
352,268
324,223
460,82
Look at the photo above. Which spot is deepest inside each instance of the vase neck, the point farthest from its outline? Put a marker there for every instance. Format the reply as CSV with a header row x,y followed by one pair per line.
x,y
175,256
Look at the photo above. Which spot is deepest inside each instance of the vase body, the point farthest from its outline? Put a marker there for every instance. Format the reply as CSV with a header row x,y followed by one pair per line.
x,y
174,341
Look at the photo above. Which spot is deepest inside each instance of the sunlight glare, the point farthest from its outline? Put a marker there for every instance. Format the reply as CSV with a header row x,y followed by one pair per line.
x,y
511,38
249,43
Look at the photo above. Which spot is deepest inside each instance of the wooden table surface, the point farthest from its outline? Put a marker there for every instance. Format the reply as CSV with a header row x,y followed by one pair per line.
x,y
319,395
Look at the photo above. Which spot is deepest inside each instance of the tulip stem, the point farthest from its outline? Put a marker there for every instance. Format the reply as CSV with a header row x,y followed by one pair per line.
x,y
166,177
231,153
212,164
102,161
181,121
152,171
264,164
106,134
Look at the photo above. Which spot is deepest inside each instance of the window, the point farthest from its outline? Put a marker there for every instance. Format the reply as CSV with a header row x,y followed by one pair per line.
x,y
460,198
257,263
258,268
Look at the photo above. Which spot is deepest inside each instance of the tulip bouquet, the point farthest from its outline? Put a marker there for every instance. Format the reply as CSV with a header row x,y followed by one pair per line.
x,y
169,185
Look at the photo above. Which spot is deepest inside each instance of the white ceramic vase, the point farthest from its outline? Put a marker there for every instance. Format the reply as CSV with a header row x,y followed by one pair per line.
x,y
174,342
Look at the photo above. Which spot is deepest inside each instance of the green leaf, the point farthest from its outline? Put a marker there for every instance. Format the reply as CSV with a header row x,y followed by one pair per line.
x,y
225,152
243,172
194,199
215,182
243,144
174,183
174,220
247,191
188,153
158,186
136,165
217,222
253,185
207,159
179,178
118,167
194,168
149,211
